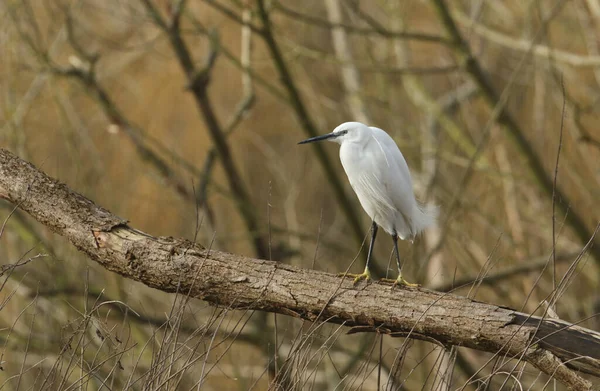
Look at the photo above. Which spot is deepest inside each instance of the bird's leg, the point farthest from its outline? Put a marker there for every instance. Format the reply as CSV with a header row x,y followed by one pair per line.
x,y
400,280
366,275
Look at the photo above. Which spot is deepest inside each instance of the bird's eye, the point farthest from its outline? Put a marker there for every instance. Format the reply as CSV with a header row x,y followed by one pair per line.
x,y
344,131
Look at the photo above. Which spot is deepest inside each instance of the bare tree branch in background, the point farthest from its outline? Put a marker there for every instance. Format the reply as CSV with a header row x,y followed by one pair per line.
x,y
544,52
343,53
198,80
84,70
543,178
375,30
243,107
522,267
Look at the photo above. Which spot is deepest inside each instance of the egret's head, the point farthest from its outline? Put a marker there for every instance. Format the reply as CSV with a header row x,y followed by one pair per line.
x,y
346,132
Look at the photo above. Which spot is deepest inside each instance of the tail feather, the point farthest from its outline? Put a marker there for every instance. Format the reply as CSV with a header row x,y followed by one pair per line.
x,y
425,216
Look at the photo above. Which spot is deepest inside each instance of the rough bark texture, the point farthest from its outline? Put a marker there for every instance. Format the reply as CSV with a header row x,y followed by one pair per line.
x,y
555,347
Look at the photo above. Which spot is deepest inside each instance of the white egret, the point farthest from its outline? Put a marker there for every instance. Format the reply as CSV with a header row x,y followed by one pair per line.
x,y
381,179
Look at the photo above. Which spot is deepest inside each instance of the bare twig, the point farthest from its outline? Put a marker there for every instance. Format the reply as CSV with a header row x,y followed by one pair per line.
x,y
554,184
522,267
544,52
358,30
12,266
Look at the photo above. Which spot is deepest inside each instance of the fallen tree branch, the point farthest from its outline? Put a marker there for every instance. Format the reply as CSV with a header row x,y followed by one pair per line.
x,y
556,347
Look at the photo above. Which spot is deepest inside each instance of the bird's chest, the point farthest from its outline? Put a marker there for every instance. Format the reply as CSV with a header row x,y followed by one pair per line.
x,y
353,160
356,161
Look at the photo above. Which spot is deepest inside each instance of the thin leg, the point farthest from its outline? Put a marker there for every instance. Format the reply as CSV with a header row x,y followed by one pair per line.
x,y
395,239
399,280
374,228
366,275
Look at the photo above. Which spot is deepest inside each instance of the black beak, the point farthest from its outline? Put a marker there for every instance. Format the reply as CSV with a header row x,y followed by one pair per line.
x,y
318,138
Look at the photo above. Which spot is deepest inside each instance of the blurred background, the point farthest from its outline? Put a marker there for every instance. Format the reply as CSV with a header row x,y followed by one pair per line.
x,y
184,116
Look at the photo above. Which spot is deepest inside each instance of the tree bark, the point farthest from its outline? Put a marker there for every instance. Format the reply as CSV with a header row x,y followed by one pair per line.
x,y
556,347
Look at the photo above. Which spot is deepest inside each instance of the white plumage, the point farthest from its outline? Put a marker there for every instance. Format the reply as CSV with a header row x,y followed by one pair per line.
x,y
381,179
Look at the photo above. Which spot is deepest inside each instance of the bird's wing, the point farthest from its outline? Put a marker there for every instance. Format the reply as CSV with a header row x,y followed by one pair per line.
x,y
393,172
414,216
364,165
393,156
371,189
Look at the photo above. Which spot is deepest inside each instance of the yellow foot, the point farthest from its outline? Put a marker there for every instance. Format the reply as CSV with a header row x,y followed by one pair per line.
x,y
366,275
399,282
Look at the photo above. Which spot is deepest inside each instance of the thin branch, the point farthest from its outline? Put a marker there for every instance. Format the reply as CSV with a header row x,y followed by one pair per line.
x,y
522,45
232,15
554,184
176,11
343,54
587,139
12,266
381,32
522,267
